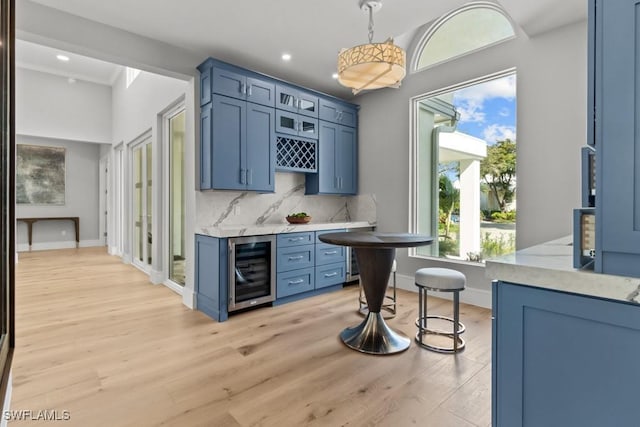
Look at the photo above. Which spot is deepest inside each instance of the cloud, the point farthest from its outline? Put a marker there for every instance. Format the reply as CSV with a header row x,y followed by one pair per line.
x,y
471,112
470,100
495,133
499,88
504,112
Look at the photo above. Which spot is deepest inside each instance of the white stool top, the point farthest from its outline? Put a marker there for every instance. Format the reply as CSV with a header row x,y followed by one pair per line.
x,y
394,266
440,278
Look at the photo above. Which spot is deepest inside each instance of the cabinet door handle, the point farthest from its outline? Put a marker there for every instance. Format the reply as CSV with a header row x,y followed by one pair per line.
x,y
296,282
331,253
331,274
243,90
249,90
297,103
249,176
295,258
243,176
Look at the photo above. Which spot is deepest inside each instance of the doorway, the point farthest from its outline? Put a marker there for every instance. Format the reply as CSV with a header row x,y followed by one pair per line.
x,y
141,203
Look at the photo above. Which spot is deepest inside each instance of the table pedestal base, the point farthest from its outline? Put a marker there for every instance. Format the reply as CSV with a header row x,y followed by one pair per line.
x,y
373,336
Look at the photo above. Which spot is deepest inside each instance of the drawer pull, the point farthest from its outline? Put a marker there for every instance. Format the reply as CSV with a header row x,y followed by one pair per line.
x,y
331,253
296,282
295,258
331,274
296,239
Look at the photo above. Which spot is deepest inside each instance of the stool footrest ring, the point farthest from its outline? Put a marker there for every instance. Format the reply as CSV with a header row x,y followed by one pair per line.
x,y
424,321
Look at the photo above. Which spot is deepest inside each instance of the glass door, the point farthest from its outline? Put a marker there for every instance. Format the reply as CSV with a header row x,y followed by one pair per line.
x,y
142,209
176,198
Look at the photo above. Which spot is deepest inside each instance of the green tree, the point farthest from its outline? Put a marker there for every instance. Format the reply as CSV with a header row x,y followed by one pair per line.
x,y
499,171
448,200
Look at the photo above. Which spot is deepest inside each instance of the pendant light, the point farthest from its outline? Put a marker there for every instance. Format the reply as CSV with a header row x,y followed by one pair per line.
x,y
371,65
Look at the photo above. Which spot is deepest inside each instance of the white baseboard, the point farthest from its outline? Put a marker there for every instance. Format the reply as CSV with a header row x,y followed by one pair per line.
x,y
174,287
113,250
126,258
472,296
156,277
189,298
46,246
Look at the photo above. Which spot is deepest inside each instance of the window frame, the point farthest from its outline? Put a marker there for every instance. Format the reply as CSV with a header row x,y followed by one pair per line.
x,y
414,106
426,35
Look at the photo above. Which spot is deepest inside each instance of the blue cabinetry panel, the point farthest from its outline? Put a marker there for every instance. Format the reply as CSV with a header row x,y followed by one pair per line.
x,y
211,260
294,282
205,147
261,92
614,60
229,83
563,360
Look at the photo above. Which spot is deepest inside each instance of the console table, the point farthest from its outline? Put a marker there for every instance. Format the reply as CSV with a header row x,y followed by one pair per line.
x,y
30,221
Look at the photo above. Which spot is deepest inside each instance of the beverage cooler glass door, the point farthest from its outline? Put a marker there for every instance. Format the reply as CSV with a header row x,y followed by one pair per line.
x,y
252,275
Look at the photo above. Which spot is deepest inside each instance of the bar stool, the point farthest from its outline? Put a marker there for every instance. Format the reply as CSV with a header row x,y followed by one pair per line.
x,y
440,280
389,304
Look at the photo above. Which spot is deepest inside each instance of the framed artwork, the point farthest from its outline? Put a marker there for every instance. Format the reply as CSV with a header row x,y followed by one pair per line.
x,y
40,175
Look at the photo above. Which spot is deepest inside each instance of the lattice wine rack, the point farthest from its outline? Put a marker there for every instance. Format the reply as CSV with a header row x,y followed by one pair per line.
x,y
296,155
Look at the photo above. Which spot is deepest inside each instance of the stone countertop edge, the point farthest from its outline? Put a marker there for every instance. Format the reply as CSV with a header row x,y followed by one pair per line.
x,y
258,230
550,266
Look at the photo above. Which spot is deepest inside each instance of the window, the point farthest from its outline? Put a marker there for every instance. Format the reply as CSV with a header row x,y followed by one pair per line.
x,y
465,30
464,158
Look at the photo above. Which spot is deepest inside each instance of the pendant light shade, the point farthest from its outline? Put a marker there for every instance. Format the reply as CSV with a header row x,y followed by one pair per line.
x,y
371,65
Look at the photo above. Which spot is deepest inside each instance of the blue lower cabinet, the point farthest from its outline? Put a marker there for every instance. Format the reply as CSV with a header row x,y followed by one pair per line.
x,y
329,254
562,359
330,274
295,257
294,282
295,239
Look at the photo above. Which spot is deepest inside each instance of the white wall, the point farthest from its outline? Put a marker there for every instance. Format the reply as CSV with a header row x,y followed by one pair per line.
x,y
136,110
49,106
551,128
81,199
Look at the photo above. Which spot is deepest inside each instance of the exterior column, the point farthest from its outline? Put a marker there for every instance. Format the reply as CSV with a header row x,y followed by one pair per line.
x,y
469,207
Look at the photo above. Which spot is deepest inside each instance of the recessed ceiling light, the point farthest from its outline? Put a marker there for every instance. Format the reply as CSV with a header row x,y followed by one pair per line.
x,y
62,58
286,57
334,76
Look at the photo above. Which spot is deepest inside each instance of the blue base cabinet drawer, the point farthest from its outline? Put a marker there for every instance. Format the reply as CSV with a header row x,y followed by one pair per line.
x,y
294,239
330,274
294,282
329,254
294,257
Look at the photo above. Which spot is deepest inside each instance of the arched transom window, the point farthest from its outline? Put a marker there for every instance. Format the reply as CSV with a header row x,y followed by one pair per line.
x,y
465,30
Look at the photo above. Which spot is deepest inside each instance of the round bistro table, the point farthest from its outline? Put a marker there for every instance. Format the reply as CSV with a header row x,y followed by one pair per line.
x,y
375,253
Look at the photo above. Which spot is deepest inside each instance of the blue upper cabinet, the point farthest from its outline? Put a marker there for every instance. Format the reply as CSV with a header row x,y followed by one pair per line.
x,y
337,161
234,82
296,124
245,116
614,55
242,146
336,112
291,99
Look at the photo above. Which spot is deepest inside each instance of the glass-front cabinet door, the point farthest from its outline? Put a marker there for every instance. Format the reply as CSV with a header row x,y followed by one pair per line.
x,y
308,104
296,124
290,99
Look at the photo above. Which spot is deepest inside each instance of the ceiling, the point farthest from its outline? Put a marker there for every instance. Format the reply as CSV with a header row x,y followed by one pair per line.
x,y
255,33
42,58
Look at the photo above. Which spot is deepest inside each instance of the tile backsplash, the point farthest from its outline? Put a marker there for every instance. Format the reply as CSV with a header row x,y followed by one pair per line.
x,y
233,208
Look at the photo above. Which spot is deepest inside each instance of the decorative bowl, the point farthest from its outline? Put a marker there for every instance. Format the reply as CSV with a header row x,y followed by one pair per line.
x,y
298,219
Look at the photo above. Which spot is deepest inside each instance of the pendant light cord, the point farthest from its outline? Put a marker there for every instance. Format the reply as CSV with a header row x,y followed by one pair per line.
x,y
370,23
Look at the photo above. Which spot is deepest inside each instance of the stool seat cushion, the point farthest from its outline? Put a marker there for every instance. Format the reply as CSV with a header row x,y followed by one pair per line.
x,y
440,278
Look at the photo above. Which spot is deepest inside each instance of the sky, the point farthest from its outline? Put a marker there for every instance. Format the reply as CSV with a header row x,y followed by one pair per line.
x,y
488,110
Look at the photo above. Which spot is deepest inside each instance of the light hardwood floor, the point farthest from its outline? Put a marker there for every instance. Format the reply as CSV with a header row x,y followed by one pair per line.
x,y
95,338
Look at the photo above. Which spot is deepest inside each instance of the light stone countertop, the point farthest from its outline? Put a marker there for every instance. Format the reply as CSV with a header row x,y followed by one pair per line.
x,y
262,229
550,265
